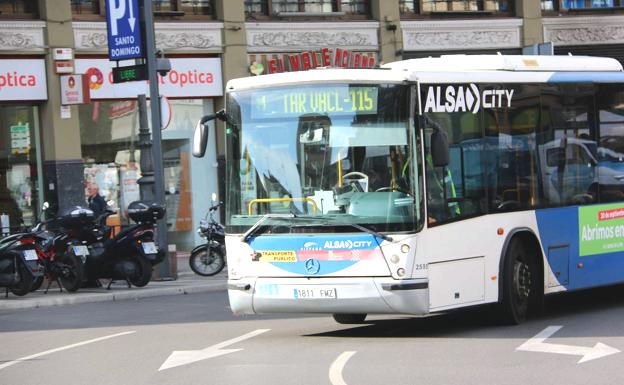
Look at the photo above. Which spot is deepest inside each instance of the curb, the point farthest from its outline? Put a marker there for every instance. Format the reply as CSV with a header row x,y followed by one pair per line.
x,y
133,294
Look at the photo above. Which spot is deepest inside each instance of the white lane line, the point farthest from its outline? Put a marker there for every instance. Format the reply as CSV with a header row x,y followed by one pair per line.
x,y
335,370
11,363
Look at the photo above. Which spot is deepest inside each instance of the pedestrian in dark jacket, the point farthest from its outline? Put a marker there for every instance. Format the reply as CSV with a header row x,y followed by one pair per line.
x,y
95,200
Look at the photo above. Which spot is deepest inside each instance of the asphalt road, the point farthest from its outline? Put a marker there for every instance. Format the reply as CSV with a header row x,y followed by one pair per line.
x,y
133,342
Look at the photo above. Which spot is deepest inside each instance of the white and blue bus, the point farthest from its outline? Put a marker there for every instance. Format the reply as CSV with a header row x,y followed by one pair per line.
x,y
423,186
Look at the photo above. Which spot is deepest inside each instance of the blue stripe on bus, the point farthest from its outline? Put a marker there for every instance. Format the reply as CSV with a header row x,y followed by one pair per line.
x,y
587,77
558,228
315,242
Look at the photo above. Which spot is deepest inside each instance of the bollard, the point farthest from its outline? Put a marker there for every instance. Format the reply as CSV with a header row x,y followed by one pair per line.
x,y
173,267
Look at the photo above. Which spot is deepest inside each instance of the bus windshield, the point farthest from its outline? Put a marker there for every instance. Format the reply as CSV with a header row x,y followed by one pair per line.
x,y
332,154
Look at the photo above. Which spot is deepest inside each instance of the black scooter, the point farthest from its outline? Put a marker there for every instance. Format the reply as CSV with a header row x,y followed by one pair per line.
x,y
130,254
19,263
61,245
209,259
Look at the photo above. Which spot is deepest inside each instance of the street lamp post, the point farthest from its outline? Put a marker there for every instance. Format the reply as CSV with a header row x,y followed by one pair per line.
x,y
157,177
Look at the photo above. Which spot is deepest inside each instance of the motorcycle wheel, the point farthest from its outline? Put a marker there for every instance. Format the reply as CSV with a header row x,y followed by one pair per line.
x,y
26,280
207,261
37,282
71,272
143,274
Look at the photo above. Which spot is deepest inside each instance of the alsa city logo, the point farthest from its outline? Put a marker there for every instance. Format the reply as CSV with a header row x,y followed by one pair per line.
x,y
347,244
464,98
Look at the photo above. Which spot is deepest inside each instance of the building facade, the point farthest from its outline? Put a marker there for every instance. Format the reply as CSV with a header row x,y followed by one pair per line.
x,y
50,152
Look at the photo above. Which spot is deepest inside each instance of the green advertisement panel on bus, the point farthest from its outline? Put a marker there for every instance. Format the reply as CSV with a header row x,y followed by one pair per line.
x,y
601,229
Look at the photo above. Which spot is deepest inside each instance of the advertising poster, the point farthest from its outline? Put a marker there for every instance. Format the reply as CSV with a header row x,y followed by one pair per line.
x,y
601,229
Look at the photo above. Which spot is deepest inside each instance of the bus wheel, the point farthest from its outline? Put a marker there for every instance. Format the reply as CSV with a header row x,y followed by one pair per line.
x,y
519,277
349,318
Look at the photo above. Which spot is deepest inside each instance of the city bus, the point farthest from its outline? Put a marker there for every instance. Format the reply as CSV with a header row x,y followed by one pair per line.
x,y
423,186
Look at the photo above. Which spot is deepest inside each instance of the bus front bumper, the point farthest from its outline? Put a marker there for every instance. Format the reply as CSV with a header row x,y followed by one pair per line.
x,y
365,295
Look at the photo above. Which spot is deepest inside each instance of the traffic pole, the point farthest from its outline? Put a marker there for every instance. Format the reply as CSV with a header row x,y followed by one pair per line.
x,y
159,177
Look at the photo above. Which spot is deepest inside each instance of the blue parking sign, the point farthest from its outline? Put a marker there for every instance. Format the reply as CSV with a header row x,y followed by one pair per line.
x,y
124,32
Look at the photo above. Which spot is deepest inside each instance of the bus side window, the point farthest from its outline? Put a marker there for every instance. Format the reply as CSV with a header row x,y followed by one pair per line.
x,y
512,164
610,148
455,191
568,148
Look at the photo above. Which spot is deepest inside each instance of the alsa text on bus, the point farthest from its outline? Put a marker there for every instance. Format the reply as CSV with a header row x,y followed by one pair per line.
x,y
463,98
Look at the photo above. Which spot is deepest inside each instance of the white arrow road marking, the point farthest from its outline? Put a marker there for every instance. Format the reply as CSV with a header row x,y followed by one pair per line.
x,y
335,370
537,344
178,358
10,363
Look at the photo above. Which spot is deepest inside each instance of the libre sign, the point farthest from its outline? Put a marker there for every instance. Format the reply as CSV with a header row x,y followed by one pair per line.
x,y
124,33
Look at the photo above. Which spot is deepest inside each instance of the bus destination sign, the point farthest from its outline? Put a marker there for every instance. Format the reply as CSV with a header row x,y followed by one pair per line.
x,y
276,103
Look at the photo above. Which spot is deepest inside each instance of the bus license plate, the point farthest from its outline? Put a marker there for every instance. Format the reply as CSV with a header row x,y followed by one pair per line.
x,y
30,255
149,248
315,292
81,250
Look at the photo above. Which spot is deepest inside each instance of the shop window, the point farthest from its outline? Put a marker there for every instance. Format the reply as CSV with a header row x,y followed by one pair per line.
x,y
19,9
256,7
183,8
580,5
297,8
429,6
109,136
90,9
19,187
407,7
87,7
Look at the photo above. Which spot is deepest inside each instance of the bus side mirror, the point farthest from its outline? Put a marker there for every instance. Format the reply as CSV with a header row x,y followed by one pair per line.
x,y
200,137
439,148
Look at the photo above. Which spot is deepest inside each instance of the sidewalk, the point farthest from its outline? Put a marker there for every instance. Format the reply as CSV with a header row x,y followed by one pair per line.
x,y
187,283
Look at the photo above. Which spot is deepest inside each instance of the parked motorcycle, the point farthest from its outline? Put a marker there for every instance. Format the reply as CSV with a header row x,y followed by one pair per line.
x,y
19,263
209,259
130,254
61,245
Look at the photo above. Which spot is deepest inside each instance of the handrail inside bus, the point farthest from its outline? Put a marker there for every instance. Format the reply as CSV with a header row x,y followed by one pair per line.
x,y
270,200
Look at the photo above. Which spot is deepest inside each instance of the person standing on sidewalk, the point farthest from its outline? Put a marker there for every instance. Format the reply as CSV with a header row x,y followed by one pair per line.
x,y
95,200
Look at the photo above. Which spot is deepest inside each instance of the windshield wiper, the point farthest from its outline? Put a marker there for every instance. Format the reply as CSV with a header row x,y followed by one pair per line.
x,y
256,227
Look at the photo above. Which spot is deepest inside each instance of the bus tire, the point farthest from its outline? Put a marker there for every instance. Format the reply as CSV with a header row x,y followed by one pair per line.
x,y
520,282
349,319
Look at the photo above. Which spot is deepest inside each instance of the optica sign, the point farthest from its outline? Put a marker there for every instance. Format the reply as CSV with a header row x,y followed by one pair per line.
x,y
189,77
23,79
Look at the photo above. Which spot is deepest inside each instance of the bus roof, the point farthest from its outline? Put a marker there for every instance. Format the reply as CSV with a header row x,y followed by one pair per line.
x,y
531,63
327,75
456,69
